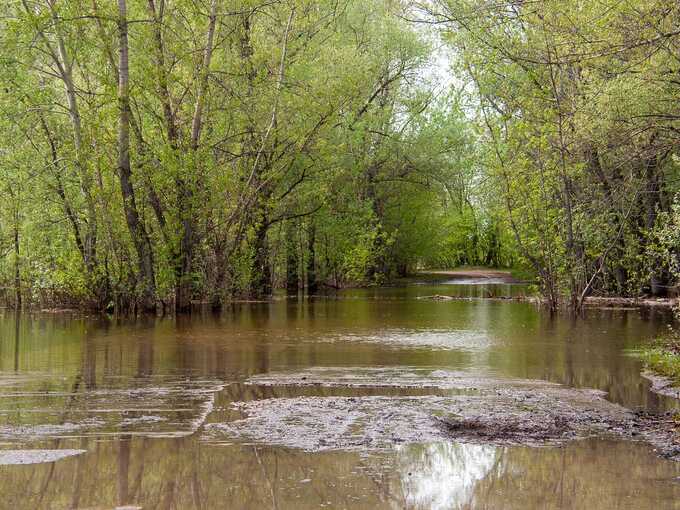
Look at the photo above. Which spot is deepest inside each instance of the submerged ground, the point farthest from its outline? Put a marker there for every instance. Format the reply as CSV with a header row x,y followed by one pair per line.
x,y
368,399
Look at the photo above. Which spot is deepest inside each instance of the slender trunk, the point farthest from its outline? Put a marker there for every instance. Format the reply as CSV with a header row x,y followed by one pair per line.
x,y
197,120
261,285
574,256
65,70
619,270
68,209
220,273
312,283
378,267
162,75
183,253
292,260
136,227
152,194
17,269
185,258
185,189
658,279
154,199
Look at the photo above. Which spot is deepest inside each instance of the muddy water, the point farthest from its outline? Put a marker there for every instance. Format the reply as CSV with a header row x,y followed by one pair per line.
x,y
328,403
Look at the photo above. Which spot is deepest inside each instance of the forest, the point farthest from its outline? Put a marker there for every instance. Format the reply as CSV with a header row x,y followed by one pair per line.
x,y
161,153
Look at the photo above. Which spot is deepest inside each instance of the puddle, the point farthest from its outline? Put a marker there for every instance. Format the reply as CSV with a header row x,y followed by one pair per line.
x,y
456,411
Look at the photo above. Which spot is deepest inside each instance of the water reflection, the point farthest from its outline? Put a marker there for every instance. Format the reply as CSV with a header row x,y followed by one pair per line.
x,y
181,473
444,475
171,375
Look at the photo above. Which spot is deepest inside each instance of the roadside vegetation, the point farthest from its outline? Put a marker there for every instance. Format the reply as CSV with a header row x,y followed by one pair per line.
x,y
663,358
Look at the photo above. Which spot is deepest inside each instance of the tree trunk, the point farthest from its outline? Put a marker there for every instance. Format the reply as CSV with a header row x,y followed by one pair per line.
x,y
64,67
261,286
658,280
312,283
17,269
292,260
139,235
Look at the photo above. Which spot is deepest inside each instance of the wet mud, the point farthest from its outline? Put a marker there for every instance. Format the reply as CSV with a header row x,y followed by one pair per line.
x,y
662,385
478,409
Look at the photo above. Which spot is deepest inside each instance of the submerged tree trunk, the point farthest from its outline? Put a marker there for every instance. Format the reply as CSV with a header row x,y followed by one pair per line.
x,y
139,235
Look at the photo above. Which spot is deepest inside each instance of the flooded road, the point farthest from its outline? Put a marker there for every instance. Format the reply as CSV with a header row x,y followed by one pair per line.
x,y
332,402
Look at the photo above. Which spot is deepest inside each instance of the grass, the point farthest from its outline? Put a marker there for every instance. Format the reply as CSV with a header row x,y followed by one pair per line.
x,y
663,358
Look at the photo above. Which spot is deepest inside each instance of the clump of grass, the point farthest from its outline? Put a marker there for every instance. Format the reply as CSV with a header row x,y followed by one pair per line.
x,y
663,358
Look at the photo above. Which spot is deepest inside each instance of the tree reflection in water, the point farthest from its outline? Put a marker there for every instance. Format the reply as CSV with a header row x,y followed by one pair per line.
x,y
189,474
158,377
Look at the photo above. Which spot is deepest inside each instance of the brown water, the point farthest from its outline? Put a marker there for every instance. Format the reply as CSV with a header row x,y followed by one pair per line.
x,y
110,413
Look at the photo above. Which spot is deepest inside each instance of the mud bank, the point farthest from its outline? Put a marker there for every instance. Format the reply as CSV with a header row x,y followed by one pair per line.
x,y
481,410
662,385
589,302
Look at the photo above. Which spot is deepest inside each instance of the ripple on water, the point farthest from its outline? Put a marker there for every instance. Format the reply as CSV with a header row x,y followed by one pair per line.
x,y
460,339
38,407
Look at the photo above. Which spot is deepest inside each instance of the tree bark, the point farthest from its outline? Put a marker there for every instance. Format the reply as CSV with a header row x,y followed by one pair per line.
x,y
261,285
312,282
17,269
137,230
292,260
65,71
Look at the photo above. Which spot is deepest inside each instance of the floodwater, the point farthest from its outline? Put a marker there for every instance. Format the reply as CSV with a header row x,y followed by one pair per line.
x,y
323,403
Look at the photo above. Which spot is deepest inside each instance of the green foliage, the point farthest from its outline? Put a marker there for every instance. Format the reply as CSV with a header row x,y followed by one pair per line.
x,y
580,122
554,147
663,357
306,112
